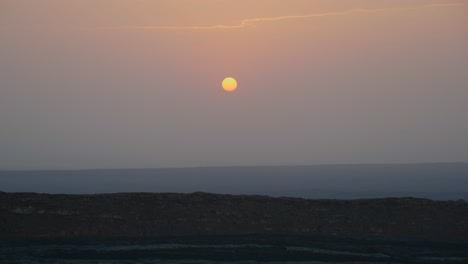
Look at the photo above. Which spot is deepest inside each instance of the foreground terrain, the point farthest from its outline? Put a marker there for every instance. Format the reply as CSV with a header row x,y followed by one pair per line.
x,y
231,249
31,215
209,228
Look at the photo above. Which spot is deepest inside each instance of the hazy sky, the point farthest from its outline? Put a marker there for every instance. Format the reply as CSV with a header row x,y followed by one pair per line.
x,y
136,83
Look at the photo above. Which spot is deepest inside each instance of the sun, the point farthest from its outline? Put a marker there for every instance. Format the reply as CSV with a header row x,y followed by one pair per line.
x,y
229,84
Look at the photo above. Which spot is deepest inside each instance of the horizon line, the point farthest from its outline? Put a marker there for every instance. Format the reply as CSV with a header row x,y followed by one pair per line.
x,y
245,166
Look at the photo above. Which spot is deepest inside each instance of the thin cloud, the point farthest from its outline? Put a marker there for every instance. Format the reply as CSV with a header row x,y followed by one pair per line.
x,y
254,21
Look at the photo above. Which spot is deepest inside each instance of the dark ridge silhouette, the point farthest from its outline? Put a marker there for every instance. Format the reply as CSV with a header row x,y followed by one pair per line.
x,y
437,181
32,215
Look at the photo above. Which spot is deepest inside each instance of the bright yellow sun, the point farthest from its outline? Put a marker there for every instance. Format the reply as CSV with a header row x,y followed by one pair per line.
x,y
229,84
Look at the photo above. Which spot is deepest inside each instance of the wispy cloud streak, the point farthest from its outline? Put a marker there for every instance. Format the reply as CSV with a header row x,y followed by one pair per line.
x,y
255,21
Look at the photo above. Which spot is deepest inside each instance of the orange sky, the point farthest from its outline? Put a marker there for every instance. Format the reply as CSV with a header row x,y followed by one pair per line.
x,y
319,81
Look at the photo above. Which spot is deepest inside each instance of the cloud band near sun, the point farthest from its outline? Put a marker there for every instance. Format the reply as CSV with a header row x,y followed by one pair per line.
x,y
254,21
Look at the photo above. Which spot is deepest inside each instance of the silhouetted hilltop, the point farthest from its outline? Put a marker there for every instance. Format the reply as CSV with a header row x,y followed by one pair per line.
x,y
436,181
169,214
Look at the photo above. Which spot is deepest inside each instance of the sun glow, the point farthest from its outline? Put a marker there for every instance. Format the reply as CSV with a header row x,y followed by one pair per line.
x,y
229,84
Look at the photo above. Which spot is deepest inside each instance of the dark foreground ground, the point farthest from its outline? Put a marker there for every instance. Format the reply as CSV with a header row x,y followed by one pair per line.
x,y
231,249
31,215
212,228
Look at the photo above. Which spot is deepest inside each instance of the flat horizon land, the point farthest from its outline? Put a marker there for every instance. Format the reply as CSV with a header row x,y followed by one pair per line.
x,y
437,181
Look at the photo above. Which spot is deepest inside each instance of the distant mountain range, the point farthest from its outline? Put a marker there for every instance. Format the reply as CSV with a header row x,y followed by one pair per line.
x,y
439,181
30,215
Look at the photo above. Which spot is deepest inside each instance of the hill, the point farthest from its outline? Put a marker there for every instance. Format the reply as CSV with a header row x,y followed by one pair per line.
x,y
169,214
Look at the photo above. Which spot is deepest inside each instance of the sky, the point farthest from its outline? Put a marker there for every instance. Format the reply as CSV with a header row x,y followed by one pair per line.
x,y
137,83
